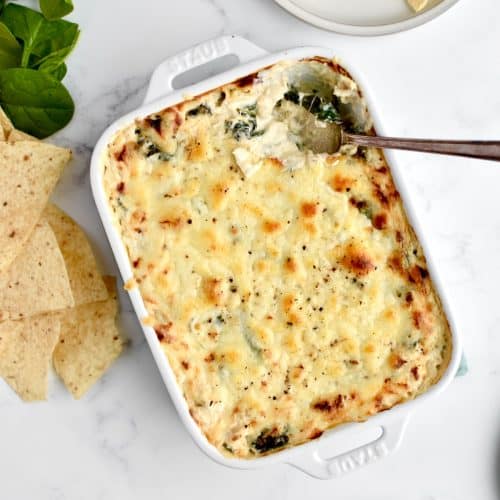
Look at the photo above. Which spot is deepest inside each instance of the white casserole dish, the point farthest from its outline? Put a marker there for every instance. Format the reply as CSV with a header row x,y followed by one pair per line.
x,y
309,457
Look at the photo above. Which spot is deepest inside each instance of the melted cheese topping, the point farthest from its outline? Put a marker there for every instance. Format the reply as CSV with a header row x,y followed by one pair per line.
x,y
287,289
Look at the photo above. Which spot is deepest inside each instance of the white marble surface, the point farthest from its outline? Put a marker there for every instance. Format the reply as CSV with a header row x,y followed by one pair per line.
x,y
124,440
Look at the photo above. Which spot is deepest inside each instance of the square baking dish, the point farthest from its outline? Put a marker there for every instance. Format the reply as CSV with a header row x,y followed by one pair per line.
x,y
310,457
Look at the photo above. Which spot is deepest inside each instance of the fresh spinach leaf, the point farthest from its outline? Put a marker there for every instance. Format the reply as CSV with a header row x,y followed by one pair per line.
x,y
24,23
55,9
35,101
324,110
56,39
10,49
41,38
202,109
2,4
246,128
270,440
57,70
328,113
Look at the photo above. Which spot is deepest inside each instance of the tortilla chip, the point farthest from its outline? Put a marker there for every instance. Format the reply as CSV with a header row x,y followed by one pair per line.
x,y
37,281
88,344
5,125
26,348
17,135
29,172
84,277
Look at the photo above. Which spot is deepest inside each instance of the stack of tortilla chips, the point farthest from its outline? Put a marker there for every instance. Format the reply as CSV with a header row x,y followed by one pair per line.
x,y
54,304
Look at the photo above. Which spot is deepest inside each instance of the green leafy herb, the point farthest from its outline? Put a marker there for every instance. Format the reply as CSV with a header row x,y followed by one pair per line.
x,y
33,49
250,110
227,448
246,128
55,9
150,148
364,208
270,440
202,109
10,49
58,71
317,105
41,39
35,101
251,341
328,113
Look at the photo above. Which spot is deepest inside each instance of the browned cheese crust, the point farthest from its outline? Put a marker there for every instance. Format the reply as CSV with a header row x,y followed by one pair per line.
x,y
288,290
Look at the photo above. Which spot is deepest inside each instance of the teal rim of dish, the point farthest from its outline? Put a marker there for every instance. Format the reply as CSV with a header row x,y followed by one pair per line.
x,y
463,368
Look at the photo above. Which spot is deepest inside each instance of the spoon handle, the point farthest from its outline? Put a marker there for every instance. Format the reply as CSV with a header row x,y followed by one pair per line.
x,y
486,150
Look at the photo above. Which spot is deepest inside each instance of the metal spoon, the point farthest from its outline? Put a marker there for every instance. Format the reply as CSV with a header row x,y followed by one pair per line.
x,y
323,137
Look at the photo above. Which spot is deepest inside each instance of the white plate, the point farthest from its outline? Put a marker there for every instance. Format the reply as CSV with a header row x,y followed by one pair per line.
x,y
364,17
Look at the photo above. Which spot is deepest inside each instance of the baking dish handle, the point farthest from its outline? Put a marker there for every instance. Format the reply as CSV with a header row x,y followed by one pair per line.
x,y
163,76
332,467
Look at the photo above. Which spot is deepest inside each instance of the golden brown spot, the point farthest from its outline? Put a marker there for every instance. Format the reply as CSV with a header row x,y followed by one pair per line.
x,y
197,148
340,183
138,217
418,318
329,405
315,434
270,226
162,332
308,209
310,227
357,260
369,348
380,195
185,365
418,274
174,223
274,162
231,356
260,266
290,264
213,290
246,80
380,221
395,262
414,372
288,301
210,358
396,361
293,319
121,155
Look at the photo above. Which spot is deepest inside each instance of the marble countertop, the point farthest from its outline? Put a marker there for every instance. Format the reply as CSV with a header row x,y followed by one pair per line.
x,y
124,439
